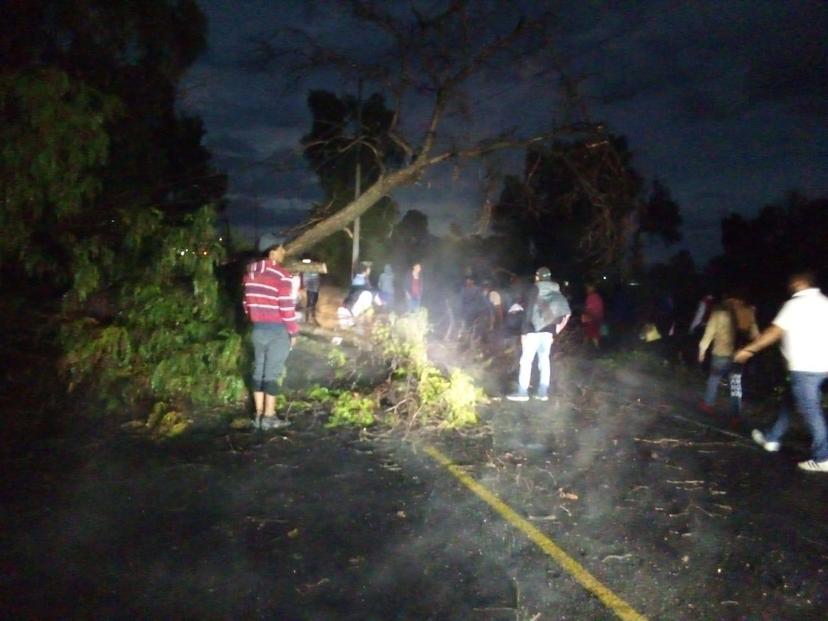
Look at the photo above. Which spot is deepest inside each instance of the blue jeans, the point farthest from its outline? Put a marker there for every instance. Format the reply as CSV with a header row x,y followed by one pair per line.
x,y
719,367
535,344
807,399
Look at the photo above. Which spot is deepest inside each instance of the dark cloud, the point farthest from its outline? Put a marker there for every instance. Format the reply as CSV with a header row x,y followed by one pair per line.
x,y
724,100
720,59
268,214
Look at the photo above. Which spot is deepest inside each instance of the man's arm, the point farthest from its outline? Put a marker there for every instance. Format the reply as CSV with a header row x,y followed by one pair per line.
x,y
526,326
707,338
287,308
698,317
769,336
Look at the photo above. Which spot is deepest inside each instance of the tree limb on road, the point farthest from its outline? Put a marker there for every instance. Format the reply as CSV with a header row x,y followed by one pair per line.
x,y
433,56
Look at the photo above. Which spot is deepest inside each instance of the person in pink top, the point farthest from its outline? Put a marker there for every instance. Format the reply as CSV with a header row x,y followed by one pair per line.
x,y
414,288
593,316
269,304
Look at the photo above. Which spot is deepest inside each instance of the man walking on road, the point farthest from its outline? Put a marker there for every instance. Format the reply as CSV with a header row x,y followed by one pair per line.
x,y
802,325
546,314
730,326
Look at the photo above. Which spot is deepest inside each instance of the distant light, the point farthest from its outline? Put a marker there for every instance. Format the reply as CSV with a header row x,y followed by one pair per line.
x,y
306,260
183,252
604,277
204,253
633,283
221,239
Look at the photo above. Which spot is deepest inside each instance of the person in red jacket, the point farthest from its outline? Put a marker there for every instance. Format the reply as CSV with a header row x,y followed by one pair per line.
x,y
268,303
593,316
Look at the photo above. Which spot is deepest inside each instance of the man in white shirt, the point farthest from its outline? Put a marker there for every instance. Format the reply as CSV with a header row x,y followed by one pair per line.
x,y
802,326
355,308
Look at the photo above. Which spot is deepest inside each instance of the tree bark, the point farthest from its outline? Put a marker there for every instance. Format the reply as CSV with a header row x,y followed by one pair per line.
x,y
342,218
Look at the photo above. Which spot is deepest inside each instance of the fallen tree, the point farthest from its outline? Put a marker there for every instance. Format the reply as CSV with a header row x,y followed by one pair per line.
x,y
436,58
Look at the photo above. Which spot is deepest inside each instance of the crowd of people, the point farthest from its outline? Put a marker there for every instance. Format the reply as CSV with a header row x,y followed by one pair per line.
x,y
536,314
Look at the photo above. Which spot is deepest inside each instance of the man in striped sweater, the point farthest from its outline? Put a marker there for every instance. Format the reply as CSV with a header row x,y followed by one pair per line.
x,y
268,302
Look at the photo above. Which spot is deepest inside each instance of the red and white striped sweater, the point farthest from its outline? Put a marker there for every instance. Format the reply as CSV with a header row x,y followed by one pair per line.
x,y
268,295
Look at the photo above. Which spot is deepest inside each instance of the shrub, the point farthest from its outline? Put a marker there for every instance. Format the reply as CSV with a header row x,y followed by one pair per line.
x,y
448,401
352,410
171,336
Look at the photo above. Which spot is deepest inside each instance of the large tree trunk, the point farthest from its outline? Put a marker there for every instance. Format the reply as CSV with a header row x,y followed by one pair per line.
x,y
357,207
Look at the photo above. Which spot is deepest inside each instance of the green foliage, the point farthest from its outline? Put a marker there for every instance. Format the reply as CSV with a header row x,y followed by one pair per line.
x,y
171,338
401,342
321,394
447,401
338,361
345,408
103,184
451,401
351,409
167,423
52,141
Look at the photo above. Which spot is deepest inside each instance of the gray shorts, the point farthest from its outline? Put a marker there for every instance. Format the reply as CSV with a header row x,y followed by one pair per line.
x,y
271,346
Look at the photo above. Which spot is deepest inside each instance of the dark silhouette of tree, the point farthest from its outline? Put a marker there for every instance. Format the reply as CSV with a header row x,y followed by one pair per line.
x,y
411,237
111,184
135,54
659,216
760,253
432,57
343,134
574,207
52,143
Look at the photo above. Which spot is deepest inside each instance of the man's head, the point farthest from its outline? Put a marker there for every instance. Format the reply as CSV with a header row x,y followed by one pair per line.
x,y
543,273
415,269
801,280
272,246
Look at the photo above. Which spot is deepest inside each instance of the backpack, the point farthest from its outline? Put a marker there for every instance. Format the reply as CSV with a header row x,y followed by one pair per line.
x,y
549,308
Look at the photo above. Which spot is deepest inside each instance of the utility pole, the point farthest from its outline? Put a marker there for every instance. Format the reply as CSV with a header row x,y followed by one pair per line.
x,y
357,182
257,208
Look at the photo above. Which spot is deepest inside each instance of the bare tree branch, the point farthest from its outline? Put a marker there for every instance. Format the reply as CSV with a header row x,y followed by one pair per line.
x,y
433,54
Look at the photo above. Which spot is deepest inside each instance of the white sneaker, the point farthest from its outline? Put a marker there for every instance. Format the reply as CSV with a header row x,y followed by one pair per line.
x,y
518,396
759,438
814,466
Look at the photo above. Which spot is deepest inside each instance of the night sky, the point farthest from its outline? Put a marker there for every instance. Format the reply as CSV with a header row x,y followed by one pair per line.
x,y
724,100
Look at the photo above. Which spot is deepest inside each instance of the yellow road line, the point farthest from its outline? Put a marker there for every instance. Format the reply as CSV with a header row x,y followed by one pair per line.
x,y
621,608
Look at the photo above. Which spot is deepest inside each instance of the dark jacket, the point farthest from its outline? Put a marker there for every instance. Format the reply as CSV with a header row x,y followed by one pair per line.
x,y
529,307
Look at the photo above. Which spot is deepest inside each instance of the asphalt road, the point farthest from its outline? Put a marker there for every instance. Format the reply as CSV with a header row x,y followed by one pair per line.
x,y
676,514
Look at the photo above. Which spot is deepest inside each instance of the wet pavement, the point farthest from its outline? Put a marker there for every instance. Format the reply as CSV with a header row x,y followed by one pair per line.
x,y
300,525
680,515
